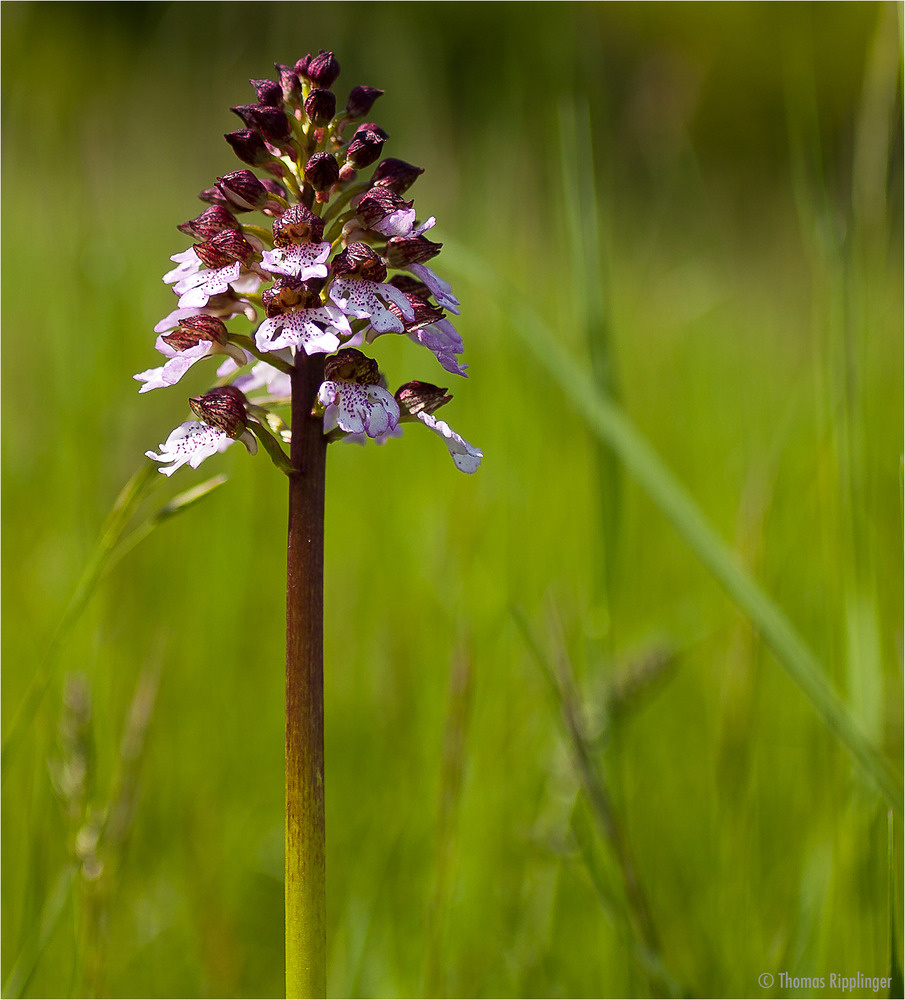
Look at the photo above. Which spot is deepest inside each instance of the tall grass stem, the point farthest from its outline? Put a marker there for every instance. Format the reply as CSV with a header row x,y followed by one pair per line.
x,y
610,423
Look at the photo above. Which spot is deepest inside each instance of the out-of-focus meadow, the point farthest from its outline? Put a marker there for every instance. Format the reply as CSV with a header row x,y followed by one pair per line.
x,y
700,204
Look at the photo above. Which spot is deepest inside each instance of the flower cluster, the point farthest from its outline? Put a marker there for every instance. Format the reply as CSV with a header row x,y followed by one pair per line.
x,y
336,262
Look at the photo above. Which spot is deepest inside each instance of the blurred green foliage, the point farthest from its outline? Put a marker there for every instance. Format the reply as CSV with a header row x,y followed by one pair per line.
x,y
748,174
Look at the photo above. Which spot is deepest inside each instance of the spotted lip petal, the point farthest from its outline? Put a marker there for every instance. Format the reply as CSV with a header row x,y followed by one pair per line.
x,y
190,443
195,290
313,329
360,298
303,261
359,409
178,364
466,456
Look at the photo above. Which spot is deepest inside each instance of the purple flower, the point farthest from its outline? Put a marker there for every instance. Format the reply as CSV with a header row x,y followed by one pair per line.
x,y
297,318
358,409
320,285
360,298
315,330
179,363
195,284
442,339
301,261
192,442
439,288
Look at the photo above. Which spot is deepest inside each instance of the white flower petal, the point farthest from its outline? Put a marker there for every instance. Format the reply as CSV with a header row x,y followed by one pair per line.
x,y
466,456
191,442
178,364
301,261
360,409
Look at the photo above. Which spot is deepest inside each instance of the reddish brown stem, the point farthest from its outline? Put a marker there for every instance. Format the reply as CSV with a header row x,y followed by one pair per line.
x,y
305,870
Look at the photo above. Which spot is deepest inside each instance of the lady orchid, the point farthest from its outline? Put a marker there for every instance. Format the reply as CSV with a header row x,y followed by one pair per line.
x,y
336,261
333,261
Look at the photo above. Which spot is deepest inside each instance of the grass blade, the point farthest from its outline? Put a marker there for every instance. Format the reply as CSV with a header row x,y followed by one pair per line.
x,y
613,426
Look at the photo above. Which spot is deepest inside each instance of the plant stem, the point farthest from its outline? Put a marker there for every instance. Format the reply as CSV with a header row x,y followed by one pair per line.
x,y
305,872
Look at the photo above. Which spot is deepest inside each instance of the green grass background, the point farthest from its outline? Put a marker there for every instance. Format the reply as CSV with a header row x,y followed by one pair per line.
x,y
726,257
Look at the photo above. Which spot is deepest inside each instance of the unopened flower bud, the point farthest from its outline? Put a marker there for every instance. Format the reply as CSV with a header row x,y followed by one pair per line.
x,y
215,197
322,171
350,365
272,123
402,251
210,222
421,397
269,92
232,242
248,145
223,408
224,248
365,147
377,202
361,100
397,175
194,329
320,106
290,293
297,225
242,189
289,82
322,69
360,261
211,255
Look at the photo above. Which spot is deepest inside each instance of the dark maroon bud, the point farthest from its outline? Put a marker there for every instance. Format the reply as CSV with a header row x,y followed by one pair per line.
x,y
421,397
397,175
289,293
211,221
320,106
269,92
193,330
322,69
350,365
373,127
223,408
215,197
289,83
301,67
322,171
242,189
233,243
297,225
410,286
360,261
248,145
365,148
213,256
377,204
405,250
272,123
425,313
361,100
